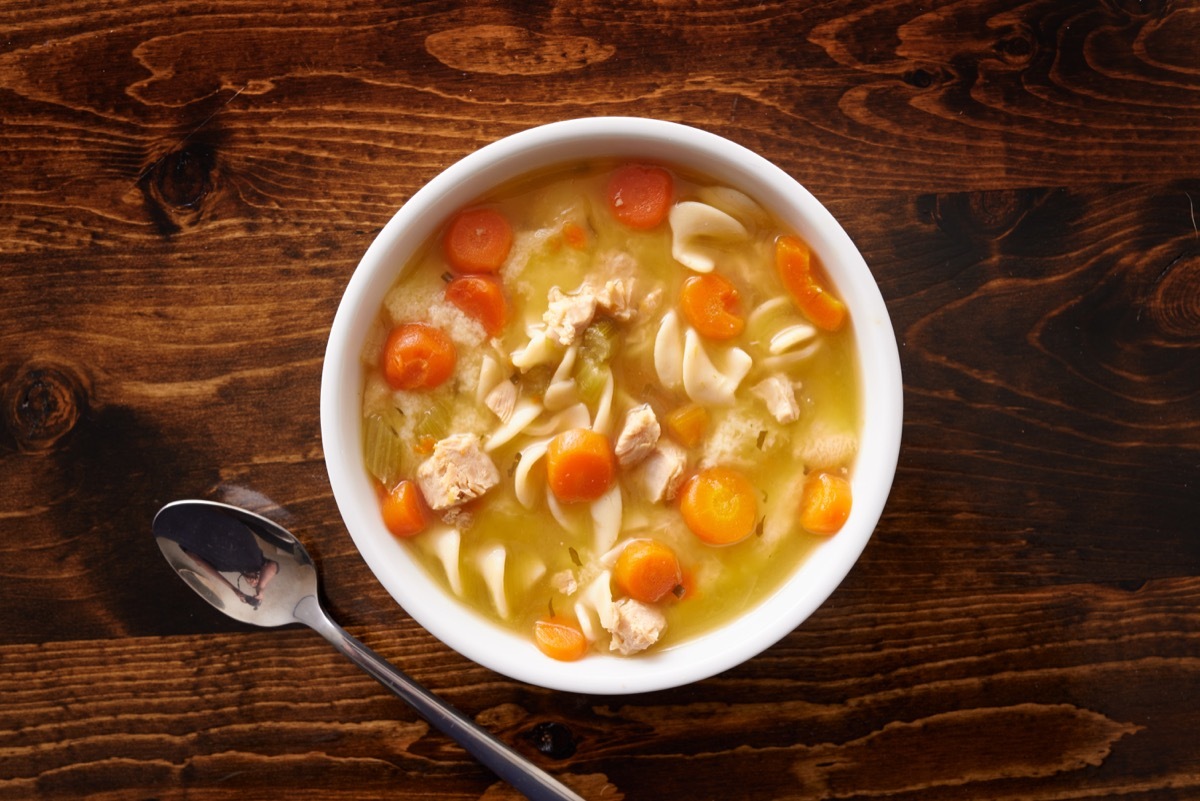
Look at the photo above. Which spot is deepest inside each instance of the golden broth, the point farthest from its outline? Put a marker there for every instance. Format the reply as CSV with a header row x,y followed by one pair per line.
x,y
542,547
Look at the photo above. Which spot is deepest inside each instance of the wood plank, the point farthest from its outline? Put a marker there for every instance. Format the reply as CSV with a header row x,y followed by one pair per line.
x,y
1071,691
962,97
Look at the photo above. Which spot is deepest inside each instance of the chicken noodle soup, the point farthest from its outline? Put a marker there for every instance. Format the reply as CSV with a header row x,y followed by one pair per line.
x,y
611,406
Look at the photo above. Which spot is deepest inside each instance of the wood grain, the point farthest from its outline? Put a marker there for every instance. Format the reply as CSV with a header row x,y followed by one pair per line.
x,y
1017,695
187,187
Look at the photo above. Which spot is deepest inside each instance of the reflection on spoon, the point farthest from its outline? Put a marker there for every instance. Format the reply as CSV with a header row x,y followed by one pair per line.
x,y
222,554
257,572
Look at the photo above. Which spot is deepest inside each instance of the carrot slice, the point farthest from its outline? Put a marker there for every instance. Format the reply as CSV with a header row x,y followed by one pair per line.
x,y
477,241
647,571
688,588
712,305
580,465
560,639
639,196
719,505
574,235
824,503
404,511
824,310
793,261
688,424
481,298
417,356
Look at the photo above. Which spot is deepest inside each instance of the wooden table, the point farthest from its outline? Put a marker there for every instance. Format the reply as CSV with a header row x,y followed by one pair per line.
x,y
187,187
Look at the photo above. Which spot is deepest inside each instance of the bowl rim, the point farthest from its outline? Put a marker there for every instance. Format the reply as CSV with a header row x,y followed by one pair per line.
x,y
470,633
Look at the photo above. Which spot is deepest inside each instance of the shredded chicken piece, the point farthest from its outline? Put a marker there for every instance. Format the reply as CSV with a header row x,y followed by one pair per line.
x,y
639,434
777,392
564,581
661,472
502,400
635,626
458,517
649,303
457,472
615,298
567,315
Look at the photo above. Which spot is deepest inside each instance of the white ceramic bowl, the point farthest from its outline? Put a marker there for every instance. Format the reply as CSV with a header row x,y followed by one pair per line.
x,y
341,388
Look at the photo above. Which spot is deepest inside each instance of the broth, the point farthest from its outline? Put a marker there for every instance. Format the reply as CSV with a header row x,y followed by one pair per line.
x,y
598,321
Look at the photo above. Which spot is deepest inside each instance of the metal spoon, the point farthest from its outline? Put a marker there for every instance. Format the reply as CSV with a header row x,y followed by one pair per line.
x,y
257,572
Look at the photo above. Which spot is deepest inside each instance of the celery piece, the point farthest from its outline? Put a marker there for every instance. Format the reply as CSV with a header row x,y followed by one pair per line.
x,y
600,340
534,381
435,421
383,449
598,345
590,376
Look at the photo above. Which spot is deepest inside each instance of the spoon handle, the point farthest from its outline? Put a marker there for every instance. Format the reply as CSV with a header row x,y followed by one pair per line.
x,y
530,780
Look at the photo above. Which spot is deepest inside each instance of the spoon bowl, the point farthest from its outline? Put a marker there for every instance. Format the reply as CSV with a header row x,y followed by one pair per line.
x,y
224,553
257,572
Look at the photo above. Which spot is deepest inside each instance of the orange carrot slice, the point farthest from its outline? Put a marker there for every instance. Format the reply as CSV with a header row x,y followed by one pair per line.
x,y
580,465
647,571
712,305
574,235
560,639
477,241
688,424
793,262
404,511
719,505
417,356
824,503
481,298
639,196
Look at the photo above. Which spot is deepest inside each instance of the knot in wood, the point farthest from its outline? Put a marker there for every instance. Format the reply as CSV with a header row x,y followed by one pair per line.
x,y
986,215
174,186
1176,300
1018,46
42,405
184,177
552,739
920,78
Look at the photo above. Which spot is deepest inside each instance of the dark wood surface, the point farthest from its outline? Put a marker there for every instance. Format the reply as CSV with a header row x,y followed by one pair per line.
x,y
187,187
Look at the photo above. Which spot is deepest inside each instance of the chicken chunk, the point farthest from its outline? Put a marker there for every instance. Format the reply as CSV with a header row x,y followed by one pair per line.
x,y
457,472
567,315
635,626
777,393
661,473
639,434
502,400
615,298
